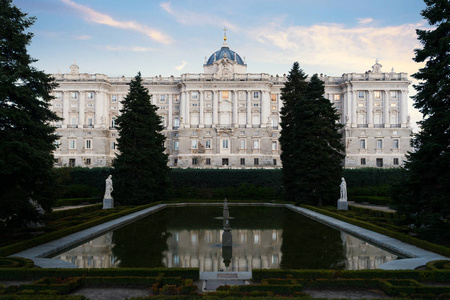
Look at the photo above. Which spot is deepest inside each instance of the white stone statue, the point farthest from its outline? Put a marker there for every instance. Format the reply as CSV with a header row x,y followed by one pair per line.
x,y
343,190
109,187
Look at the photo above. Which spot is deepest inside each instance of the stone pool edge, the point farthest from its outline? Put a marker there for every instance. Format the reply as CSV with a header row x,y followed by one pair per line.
x,y
417,256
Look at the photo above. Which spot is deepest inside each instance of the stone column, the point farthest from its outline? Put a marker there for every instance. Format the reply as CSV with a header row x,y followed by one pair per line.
x,y
353,119
81,107
200,109
249,110
66,104
170,117
370,109
403,107
235,109
100,102
386,109
215,118
182,108
265,108
345,109
187,110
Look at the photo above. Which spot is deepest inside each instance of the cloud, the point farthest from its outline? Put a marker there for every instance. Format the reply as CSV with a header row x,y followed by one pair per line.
x,y
334,46
180,67
365,21
198,19
128,49
83,37
91,15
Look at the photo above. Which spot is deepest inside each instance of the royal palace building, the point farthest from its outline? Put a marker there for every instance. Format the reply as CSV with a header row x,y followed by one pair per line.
x,y
226,117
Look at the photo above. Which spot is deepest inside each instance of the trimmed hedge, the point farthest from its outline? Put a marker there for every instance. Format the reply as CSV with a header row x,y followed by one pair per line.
x,y
54,215
62,287
14,248
373,213
375,200
76,201
399,236
16,262
438,265
42,297
276,289
36,273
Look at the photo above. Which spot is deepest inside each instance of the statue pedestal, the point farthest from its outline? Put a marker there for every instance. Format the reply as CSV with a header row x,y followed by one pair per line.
x,y
342,204
108,203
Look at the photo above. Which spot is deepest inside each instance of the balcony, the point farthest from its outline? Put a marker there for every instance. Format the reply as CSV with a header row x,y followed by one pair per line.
x,y
72,126
396,125
88,126
378,125
363,125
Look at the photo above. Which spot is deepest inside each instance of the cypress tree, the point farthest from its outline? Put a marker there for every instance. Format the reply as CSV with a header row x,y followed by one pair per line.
x,y
423,194
291,93
311,141
26,137
140,170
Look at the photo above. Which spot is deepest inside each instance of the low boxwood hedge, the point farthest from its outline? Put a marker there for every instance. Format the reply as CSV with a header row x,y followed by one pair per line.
x,y
76,201
376,200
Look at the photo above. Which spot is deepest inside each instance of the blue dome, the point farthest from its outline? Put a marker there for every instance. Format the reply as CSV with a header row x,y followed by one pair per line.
x,y
231,55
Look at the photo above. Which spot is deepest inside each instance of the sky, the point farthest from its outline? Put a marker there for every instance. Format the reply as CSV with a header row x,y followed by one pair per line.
x,y
160,37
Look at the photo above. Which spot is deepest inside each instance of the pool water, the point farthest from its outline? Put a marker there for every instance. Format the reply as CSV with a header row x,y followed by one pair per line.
x,y
263,237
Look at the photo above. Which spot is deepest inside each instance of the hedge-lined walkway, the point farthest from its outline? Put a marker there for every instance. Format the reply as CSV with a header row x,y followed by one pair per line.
x,y
384,208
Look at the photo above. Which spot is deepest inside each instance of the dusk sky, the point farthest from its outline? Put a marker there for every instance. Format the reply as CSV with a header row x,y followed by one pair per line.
x,y
173,37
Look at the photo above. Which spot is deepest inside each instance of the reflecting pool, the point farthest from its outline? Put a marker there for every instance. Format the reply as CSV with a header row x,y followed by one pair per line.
x,y
263,237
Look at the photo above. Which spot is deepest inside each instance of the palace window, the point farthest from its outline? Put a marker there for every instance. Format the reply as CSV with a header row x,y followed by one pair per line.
x,y
274,162
337,97
175,161
114,98
225,144
90,95
72,144
273,97
194,144
208,161
224,94
395,161
194,160
176,145
256,95
74,95
377,94
393,94
242,144
224,161
379,162
256,161
379,144
242,161
361,95
194,95
208,144
395,144
113,145
176,123
58,95
162,98
88,161
88,144
255,144
362,144
363,161
274,146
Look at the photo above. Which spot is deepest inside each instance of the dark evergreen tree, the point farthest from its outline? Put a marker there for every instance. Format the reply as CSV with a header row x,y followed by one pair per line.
x,y
311,136
26,138
423,196
140,170
291,94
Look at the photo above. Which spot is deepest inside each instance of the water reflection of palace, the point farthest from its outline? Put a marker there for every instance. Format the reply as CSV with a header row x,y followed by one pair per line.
x,y
362,255
252,249
96,253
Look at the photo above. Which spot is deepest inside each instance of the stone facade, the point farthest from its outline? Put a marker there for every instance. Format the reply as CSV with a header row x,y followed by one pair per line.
x,y
226,117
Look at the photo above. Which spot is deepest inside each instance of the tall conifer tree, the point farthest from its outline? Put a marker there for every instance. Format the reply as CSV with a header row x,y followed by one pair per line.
x,y
311,141
26,138
424,194
291,94
140,170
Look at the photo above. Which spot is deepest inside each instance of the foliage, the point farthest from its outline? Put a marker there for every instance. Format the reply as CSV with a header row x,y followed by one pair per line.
x,y
76,201
423,196
312,150
81,182
375,200
27,139
140,170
